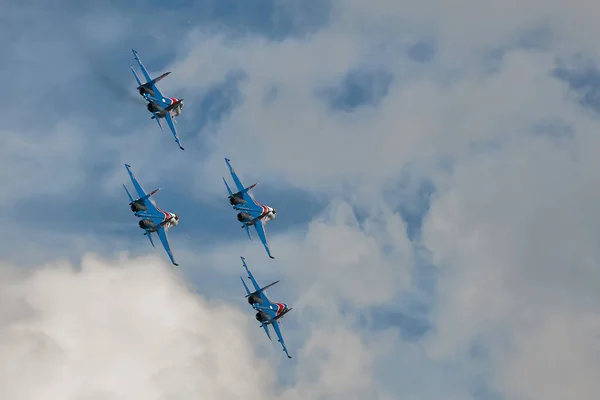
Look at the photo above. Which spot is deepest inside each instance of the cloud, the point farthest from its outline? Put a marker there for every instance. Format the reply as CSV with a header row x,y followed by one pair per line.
x,y
359,88
514,235
129,328
334,371
500,201
509,224
120,329
557,357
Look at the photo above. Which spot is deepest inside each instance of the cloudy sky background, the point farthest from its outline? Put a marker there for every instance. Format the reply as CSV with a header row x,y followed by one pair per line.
x,y
433,165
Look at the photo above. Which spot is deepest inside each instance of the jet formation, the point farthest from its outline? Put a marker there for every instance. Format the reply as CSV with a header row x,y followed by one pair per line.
x,y
250,213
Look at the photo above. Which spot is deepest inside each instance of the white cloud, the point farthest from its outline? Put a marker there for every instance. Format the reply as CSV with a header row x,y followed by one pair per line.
x,y
336,365
130,328
122,329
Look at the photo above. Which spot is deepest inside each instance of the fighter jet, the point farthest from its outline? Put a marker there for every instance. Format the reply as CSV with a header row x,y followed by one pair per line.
x,y
268,313
159,105
251,213
153,219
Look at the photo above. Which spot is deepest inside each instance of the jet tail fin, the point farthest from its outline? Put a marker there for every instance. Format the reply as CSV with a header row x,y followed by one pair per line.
x,y
245,286
227,186
128,194
248,231
137,79
149,234
266,331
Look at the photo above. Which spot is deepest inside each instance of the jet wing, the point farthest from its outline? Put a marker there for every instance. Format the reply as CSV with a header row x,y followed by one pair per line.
x,y
164,239
275,325
173,130
152,210
262,234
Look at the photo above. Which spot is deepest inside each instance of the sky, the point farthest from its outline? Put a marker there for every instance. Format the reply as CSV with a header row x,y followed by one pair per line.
x,y
433,165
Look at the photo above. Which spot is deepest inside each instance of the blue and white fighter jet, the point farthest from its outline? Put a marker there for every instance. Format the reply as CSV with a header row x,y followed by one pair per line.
x,y
251,212
153,219
268,313
159,105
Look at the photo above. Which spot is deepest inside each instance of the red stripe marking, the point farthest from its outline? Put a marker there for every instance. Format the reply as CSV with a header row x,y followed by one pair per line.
x,y
280,308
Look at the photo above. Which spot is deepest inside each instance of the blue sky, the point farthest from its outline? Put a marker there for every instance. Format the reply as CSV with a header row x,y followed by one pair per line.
x,y
432,180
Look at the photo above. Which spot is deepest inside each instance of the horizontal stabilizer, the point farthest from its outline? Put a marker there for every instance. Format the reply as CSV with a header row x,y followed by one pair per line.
x,y
172,106
245,190
166,221
146,196
263,288
273,320
148,85
282,314
151,193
